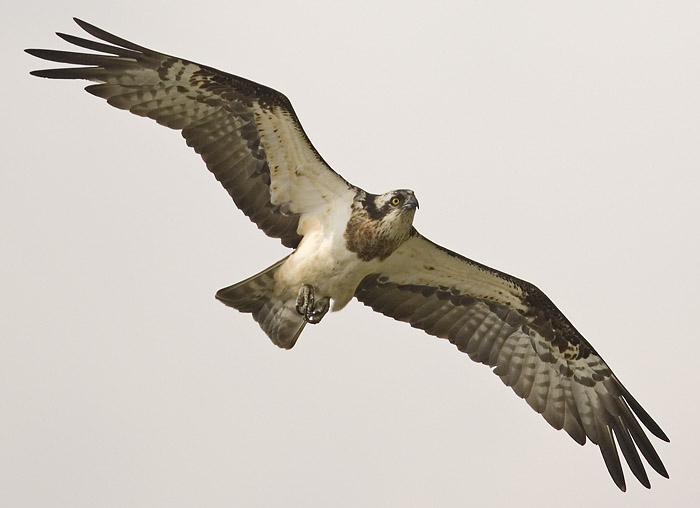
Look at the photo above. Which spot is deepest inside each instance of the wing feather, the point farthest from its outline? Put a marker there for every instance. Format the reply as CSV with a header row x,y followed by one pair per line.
x,y
247,134
514,328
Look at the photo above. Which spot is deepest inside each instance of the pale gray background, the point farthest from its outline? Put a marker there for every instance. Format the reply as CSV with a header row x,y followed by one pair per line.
x,y
556,141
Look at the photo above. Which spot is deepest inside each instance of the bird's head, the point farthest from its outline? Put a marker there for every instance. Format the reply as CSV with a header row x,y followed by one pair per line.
x,y
401,200
380,223
394,208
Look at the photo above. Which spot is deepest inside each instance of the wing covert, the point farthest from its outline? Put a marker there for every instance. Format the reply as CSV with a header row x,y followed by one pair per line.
x,y
247,134
511,326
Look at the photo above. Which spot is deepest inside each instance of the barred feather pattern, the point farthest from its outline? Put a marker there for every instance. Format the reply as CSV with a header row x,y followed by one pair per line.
x,y
252,141
511,326
247,134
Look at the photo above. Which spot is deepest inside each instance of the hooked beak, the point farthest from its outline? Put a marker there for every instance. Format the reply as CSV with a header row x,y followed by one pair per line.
x,y
412,202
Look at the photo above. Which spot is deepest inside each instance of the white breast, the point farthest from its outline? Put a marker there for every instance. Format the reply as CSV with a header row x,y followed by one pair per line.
x,y
322,259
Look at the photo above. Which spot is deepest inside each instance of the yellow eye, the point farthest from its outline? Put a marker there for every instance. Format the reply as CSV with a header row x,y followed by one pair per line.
x,y
395,201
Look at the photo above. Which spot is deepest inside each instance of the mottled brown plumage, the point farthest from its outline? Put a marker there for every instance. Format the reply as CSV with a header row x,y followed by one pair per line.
x,y
352,243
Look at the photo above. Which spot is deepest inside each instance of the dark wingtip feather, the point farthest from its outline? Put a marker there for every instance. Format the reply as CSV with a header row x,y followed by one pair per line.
x,y
47,54
624,440
643,416
108,37
608,450
642,441
97,46
69,73
71,57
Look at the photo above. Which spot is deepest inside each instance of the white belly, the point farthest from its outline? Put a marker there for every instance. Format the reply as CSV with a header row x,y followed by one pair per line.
x,y
323,261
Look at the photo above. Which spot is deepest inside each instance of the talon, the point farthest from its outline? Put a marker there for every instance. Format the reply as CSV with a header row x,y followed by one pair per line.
x,y
312,310
305,299
319,310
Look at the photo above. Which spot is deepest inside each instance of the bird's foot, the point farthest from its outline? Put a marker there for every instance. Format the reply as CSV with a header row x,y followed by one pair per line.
x,y
312,310
319,310
305,299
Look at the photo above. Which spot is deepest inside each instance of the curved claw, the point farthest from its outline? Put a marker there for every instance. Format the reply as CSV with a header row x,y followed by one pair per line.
x,y
312,310
320,309
305,299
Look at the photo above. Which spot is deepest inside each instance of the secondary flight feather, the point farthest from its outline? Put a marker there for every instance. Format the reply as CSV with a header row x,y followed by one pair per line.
x,y
348,242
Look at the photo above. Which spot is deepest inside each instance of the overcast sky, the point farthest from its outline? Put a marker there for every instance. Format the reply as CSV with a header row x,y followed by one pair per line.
x,y
556,141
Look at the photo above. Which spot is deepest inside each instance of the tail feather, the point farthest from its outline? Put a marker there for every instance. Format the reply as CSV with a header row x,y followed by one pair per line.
x,y
256,295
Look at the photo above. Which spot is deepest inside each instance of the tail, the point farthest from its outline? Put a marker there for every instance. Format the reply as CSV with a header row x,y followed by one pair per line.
x,y
279,319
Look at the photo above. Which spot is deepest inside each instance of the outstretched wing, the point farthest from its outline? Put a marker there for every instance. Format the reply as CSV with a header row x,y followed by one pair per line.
x,y
511,325
248,134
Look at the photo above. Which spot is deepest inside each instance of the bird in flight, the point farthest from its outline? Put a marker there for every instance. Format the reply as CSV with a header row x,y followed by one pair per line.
x,y
348,242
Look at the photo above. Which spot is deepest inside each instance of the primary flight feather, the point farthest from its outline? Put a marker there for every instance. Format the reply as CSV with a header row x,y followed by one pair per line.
x,y
348,242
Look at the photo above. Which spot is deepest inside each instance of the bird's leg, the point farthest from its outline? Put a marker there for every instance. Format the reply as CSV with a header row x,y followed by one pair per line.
x,y
312,310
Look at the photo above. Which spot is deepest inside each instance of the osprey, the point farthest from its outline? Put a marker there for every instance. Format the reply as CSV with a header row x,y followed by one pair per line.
x,y
348,242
